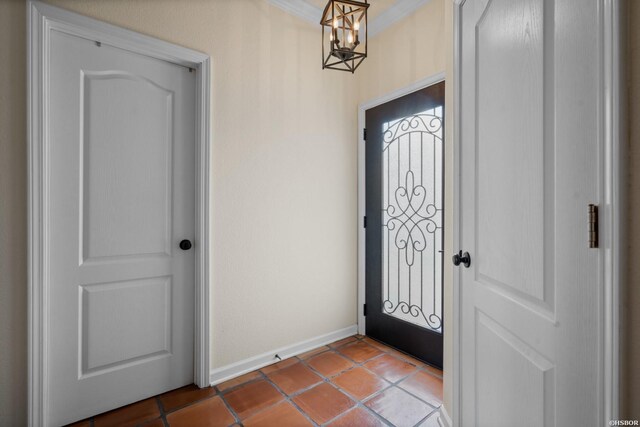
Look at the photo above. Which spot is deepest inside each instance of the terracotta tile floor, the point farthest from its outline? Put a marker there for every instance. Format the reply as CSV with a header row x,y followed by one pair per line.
x,y
354,382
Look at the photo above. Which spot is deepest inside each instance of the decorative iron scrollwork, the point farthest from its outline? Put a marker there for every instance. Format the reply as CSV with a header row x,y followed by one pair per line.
x,y
412,217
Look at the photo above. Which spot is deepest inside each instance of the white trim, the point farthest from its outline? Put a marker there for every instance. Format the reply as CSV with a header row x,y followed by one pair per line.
x,y
41,20
613,171
362,108
202,325
395,13
311,13
613,117
444,420
228,372
300,8
454,324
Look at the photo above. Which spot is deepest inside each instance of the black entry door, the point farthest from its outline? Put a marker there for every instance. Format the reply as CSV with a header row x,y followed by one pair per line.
x,y
405,222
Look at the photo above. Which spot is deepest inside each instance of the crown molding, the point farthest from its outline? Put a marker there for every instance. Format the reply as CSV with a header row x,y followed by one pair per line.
x,y
300,8
303,9
400,10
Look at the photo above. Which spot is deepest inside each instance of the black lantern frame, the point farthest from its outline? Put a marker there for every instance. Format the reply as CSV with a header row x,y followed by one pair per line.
x,y
344,34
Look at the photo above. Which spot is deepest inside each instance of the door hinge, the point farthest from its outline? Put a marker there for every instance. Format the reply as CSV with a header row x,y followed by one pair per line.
x,y
593,225
364,309
364,221
364,134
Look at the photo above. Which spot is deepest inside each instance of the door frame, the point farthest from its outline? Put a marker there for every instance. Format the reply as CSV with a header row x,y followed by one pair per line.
x,y
362,108
42,19
612,137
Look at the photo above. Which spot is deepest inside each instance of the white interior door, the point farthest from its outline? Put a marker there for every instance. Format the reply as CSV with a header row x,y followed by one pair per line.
x,y
531,299
121,295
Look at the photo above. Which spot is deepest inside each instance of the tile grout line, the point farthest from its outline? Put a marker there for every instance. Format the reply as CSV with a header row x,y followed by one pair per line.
x,y
390,383
397,382
179,408
425,418
289,398
163,414
327,379
359,402
265,377
360,405
409,360
330,382
228,406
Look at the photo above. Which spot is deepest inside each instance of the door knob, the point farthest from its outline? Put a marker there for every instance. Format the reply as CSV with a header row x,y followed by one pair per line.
x,y
462,258
185,245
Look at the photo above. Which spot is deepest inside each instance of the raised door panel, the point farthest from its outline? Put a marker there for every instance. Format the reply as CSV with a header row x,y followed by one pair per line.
x,y
112,332
127,144
513,150
514,382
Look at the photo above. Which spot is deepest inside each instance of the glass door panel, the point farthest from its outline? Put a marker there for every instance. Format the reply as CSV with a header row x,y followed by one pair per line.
x,y
413,218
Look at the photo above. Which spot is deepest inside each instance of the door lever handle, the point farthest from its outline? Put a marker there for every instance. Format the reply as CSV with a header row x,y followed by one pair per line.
x,y
462,258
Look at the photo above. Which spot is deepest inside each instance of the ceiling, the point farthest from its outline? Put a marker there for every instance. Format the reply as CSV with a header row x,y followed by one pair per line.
x,y
382,13
377,6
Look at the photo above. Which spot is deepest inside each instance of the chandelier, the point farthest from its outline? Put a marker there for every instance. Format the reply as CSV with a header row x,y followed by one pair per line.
x,y
344,34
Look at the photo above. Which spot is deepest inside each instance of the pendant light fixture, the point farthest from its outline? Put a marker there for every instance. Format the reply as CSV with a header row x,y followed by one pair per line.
x,y
344,34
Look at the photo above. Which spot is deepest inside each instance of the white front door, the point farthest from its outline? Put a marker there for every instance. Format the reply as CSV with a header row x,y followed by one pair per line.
x,y
531,298
121,295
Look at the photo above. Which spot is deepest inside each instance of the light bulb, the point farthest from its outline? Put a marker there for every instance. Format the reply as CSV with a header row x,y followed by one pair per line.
x,y
356,25
350,37
335,22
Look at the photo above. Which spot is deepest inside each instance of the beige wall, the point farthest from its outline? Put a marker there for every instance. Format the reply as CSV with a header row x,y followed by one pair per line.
x,y
13,214
630,392
284,172
408,51
417,47
277,277
284,152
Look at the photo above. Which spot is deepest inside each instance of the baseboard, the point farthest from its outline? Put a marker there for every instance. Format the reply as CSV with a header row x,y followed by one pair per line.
x,y
443,418
242,367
